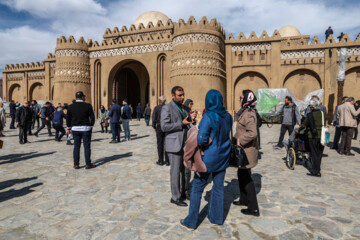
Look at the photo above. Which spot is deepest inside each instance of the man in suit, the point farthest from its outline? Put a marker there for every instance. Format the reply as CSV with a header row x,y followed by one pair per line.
x,y
337,126
160,135
24,120
175,121
80,121
115,114
13,107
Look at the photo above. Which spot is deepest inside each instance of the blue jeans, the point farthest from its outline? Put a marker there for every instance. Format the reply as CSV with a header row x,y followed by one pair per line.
x,y
126,126
138,115
115,130
147,119
86,137
216,203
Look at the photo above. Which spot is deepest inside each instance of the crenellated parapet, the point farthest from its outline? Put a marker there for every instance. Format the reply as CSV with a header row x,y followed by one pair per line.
x,y
24,67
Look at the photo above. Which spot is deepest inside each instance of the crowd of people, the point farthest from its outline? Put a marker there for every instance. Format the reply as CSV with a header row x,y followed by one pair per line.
x,y
207,145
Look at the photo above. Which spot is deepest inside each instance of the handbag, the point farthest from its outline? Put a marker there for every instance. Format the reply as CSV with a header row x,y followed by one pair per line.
x,y
237,156
324,131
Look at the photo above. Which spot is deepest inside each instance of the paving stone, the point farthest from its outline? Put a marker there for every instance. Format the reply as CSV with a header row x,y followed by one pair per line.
x,y
329,228
313,211
341,220
294,234
156,228
268,226
206,233
355,231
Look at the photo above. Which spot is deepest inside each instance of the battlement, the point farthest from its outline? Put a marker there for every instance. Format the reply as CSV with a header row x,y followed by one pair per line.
x,y
24,67
204,26
132,40
141,29
70,43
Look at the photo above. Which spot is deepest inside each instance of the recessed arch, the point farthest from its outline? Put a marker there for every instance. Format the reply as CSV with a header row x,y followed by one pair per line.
x,y
301,82
36,91
352,83
129,79
15,93
249,80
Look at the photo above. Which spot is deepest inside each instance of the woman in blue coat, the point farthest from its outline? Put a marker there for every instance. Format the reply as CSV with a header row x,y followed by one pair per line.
x,y
215,125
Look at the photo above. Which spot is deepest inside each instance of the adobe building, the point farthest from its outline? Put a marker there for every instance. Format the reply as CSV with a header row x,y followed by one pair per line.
x,y
155,54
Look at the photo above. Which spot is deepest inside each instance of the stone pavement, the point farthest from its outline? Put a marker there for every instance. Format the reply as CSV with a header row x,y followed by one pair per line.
x,y
128,197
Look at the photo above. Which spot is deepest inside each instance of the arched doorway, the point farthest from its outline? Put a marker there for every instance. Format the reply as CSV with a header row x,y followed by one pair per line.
x,y
37,92
15,93
352,83
301,82
131,82
248,80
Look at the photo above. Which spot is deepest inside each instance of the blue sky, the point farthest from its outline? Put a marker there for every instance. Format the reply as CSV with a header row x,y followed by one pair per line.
x,y
29,28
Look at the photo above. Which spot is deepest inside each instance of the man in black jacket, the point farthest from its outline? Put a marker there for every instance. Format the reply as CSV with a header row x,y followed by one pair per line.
x,y
160,135
24,121
13,107
80,120
46,115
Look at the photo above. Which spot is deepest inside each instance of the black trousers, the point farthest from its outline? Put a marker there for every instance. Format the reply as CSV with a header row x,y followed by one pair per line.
x,y
160,140
316,150
247,189
284,128
59,129
44,123
23,132
35,119
12,124
337,137
356,131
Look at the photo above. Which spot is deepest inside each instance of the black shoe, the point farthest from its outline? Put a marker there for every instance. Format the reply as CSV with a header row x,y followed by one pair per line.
x,y
36,135
167,163
102,131
30,134
50,135
185,196
334,148
255,213
240,203
69,143
182,224
179,203
26,141
314,174
159,163
21,142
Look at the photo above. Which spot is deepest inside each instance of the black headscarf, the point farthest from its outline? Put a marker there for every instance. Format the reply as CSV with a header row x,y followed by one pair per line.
x,y
186,104
249,100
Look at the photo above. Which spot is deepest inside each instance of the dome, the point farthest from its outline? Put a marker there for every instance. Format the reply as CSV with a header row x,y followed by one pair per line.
x,y
151,16
289,31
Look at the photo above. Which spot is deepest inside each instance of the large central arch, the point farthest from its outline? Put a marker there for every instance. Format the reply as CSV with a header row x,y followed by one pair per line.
x,y
129,79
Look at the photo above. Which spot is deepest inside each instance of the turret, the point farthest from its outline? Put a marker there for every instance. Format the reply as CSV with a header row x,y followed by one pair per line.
x,y
72,69
198,57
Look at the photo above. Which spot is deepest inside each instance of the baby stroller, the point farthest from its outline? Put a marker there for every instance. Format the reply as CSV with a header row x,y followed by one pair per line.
x,y
298,150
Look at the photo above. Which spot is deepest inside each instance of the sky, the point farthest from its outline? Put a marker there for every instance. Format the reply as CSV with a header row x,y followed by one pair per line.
x,y
29,28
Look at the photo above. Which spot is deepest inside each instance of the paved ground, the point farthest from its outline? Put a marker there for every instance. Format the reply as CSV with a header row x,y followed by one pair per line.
x,y
127,196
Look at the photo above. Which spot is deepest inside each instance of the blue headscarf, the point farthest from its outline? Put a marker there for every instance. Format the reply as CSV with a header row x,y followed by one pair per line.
x,y
215,109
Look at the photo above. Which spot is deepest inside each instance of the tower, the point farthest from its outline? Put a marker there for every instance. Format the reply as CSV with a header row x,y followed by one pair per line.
x,y
72,70
198,62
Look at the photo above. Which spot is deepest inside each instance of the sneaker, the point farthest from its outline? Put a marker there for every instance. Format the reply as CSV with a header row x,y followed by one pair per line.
x,y
69,143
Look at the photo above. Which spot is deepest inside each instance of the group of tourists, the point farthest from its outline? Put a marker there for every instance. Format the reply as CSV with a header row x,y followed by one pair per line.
x,y
186,145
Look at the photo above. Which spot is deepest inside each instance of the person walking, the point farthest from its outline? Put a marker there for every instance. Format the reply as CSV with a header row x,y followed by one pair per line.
x,y
2,119
80,120
126,115
347,121
104,119
115,114
13,107
313,123
337,134
215,126
246,137
160,135
290,116
174,121
46,115
147,114
35,107
138,111
58,123
23,121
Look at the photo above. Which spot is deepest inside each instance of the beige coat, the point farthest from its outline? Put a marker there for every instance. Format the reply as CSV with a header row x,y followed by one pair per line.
x,y
246,134
2,117
193,153
347,115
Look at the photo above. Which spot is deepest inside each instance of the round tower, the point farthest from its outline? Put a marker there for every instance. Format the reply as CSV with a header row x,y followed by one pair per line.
x,y
72,70
198,62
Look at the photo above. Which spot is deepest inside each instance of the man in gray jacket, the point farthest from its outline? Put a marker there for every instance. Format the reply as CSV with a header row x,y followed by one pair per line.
x,y
175,123
290,116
